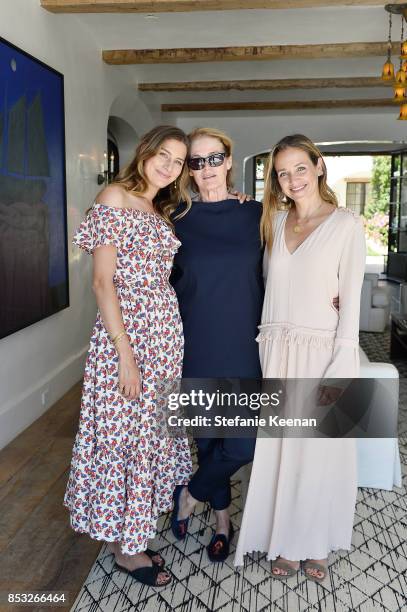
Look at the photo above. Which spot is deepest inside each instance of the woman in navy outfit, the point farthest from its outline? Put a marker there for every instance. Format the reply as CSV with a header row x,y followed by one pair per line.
x,y
218,280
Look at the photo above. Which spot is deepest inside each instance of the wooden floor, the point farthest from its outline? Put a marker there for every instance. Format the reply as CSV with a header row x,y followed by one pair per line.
x,y
38,549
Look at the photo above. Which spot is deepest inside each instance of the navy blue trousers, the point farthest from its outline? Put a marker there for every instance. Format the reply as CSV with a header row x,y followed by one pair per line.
x,y
218,460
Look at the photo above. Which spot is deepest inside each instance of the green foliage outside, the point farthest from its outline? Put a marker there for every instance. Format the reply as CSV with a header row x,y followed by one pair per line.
x,y
380,186
376,214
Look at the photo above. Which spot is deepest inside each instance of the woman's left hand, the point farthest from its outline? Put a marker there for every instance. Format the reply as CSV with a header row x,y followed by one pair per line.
x,y
328,395
242,197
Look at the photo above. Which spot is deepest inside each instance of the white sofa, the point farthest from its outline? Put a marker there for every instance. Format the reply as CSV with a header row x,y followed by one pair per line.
x,y
378,458
374,305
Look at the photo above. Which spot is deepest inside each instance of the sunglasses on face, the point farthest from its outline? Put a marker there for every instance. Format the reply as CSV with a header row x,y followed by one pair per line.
x,y
198,163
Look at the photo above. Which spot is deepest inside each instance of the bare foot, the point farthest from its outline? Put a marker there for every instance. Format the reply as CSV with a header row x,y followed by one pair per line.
x,y
222,522
280,570
187,504
132,562
114,547
314,571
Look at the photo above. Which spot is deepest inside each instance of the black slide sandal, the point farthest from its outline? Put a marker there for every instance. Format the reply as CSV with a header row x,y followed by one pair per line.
x,y
145,575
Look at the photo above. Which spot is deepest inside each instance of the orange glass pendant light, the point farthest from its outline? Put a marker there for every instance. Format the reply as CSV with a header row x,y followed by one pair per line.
x,y
388,71
398,80
403,112
401,78
399,94
388,68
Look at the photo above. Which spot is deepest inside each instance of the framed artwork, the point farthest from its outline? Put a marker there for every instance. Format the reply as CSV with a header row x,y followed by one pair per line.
x,y
33,227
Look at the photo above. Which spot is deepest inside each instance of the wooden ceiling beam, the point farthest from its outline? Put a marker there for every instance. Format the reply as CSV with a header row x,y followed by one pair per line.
x,y
243,54
266,84
275,106
161,6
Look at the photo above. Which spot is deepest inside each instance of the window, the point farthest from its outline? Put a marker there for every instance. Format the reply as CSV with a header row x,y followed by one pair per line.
x,y
357,196
259,167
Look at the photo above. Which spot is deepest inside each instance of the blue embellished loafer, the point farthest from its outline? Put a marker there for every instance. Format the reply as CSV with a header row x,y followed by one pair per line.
x,y
218,547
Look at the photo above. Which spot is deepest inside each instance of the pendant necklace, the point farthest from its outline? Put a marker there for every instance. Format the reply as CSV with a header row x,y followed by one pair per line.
x,y
299,228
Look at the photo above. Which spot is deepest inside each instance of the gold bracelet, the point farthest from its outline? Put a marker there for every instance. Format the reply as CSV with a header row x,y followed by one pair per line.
x,y
119,336
113,338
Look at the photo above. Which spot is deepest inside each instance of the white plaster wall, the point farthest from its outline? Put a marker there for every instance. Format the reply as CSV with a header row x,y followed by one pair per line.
x,y
239,27
125,137
342,168
50,354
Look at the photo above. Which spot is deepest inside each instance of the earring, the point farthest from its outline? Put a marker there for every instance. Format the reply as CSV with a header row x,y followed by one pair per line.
x,y
175,184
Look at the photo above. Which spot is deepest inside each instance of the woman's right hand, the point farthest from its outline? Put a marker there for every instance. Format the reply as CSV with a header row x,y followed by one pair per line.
x,y
129,376
242,197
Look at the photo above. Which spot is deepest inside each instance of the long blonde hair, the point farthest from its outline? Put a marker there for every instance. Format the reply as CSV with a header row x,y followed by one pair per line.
x,y
227,144
274,197
132,177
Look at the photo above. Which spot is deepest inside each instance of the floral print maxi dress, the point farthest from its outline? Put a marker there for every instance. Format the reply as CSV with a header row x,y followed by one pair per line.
x,y
123,472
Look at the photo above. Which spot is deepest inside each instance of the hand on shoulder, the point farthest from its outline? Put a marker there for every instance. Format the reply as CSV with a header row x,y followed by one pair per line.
x,y
348,211
350,220
239,195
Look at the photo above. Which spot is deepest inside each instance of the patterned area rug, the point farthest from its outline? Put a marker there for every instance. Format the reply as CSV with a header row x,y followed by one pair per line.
x,y
372,576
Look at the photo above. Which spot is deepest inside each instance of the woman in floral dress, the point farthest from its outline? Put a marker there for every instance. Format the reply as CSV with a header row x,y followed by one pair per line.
x,y
123,471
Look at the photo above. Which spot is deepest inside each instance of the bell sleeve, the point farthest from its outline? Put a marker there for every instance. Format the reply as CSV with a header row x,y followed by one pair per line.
x,y
345,360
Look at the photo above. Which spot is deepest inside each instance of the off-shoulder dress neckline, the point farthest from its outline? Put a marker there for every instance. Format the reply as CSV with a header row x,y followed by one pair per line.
x,y
130,208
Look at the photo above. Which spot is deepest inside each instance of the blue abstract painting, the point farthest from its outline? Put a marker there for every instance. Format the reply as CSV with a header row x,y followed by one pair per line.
x,y
33,228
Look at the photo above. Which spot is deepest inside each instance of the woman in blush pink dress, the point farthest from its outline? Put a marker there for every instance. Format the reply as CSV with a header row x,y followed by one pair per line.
x,y
124,470
302,492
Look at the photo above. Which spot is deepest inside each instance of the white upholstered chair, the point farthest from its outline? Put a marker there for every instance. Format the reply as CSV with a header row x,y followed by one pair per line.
x,y
378,458
374,305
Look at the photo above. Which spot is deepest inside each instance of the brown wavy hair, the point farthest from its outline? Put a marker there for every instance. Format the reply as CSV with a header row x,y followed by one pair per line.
x,y
134,180
274,197
227,144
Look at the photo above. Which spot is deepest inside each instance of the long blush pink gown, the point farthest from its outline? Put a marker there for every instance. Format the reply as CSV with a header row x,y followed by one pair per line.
x,y
302,492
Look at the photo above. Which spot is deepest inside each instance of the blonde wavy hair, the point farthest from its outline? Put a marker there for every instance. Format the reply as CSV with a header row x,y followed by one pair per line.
x,y
227,144
134,180
273,195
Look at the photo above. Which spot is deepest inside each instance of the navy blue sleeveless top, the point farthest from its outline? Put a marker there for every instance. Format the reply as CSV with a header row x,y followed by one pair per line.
x,y
218,279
